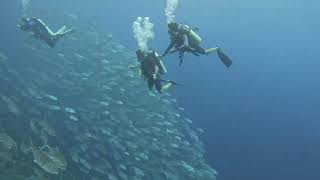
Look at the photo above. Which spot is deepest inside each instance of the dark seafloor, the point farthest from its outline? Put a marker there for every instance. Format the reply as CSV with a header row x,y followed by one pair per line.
x,y
79,113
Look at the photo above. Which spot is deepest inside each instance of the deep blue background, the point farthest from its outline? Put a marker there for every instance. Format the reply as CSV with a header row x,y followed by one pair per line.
x,y
262,115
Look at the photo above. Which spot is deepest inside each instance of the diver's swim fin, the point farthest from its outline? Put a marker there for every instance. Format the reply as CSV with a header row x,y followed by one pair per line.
x,y
224,58
168,85
175,83
172,82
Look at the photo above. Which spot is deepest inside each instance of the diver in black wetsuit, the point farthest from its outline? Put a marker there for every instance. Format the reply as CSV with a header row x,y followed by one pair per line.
x,y
41,31
151,68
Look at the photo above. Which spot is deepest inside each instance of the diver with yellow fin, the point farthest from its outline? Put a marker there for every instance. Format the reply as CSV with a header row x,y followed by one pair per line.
x,y
41,31
185,39
151,68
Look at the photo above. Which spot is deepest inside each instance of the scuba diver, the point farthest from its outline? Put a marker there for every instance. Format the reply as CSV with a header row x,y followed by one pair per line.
x,y
184,39
41,31
151,68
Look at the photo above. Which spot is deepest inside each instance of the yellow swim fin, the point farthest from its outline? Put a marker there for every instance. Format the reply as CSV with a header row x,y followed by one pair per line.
x,y
166,87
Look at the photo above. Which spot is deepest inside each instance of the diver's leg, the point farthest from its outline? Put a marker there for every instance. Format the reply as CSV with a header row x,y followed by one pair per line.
x,y
150,83
211,50
52,42
201,50
46,35
50,31
56,36
62,31
157,84
173,51
189,49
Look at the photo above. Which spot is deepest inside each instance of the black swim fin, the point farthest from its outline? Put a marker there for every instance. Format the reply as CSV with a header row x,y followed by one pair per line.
x,y
224,58
173,82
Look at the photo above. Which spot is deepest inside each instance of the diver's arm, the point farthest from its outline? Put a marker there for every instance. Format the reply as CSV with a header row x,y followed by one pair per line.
x,y
134,66
168,49
49,30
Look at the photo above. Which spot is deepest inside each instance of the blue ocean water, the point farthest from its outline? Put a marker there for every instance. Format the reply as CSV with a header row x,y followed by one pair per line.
x,y
261,115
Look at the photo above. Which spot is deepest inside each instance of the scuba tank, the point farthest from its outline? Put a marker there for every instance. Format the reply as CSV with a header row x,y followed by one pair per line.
x,y
193,38
162,68
159,64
